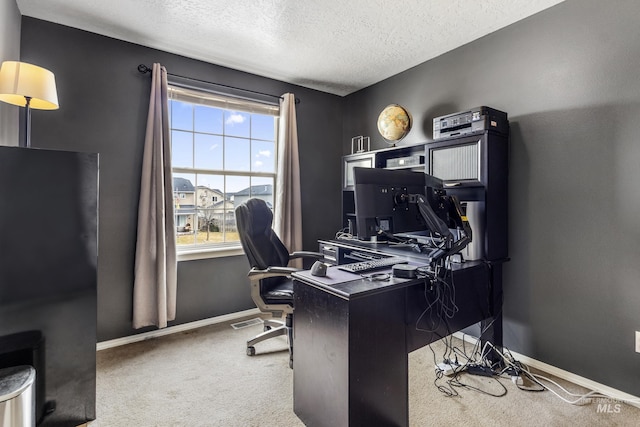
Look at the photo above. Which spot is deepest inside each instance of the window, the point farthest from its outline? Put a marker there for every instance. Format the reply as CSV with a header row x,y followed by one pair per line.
x,y
223,151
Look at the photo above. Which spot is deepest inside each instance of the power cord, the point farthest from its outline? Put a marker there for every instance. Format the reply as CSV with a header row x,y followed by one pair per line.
x,y
522,369
476,360
451,367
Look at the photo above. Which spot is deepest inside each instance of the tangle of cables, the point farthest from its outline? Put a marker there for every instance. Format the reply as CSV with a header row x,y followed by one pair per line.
x,y
440,298
450,373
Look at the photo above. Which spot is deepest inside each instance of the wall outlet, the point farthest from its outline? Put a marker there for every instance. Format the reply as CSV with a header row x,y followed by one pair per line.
x,y
638,341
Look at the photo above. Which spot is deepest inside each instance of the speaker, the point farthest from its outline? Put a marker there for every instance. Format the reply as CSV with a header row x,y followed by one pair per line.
x,y
474,212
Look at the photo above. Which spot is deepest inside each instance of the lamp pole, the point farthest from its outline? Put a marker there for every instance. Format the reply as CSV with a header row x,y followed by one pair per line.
x,y
27,121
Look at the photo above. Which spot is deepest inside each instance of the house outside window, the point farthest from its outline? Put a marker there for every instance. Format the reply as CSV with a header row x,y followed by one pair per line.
x,y
223,151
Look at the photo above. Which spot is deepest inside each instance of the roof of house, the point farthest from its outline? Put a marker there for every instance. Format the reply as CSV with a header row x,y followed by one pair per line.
x,y
256,190
182,185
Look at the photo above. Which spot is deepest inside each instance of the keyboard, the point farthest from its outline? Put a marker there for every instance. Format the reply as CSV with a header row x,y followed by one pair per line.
x,y
370,265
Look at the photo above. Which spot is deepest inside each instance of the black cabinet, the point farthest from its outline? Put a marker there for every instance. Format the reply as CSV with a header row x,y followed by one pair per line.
x,y
48,261
474,167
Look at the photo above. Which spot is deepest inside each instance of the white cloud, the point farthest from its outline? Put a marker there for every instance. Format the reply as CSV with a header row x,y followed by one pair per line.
x,y
235,119
258,163
264,153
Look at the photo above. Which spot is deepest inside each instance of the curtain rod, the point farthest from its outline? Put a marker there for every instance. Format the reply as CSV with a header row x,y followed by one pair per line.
x,y
144,69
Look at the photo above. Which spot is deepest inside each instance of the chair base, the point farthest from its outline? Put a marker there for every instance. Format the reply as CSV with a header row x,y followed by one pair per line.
x,y
274,328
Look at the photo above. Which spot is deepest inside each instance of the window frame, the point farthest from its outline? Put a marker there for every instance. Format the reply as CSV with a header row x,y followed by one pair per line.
x,y
202,96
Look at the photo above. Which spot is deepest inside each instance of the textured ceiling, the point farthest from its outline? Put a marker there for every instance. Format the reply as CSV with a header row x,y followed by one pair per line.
x,y
330,45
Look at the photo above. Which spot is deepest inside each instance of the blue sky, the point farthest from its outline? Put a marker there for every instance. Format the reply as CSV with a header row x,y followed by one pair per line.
x,y
212,138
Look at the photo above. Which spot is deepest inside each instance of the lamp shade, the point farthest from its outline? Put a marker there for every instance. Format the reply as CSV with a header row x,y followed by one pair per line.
x,y
20,79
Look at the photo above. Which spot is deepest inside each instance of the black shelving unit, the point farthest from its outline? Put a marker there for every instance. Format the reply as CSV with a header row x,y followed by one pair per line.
x,y
474,167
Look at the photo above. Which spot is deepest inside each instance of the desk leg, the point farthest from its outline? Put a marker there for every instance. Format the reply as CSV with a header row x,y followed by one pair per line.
x,y
351,364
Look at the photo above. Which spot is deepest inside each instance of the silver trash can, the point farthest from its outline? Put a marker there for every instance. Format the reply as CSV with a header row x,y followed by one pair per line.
x,y
17,396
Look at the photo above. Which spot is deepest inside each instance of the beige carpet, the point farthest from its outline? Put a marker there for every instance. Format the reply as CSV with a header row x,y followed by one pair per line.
x,y
203,378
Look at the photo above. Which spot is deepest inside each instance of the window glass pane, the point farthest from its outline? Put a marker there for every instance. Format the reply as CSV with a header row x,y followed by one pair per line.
x,y
211,181
195,217
217,224
263,156
181,115
237,124
208,119
184,207
263,127
211,201
181,149
238,187
214,143
262,188
208,152
209,222
230,228
237,154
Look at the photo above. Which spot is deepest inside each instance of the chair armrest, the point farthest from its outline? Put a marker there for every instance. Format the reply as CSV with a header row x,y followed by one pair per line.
x,y
306,254
256,274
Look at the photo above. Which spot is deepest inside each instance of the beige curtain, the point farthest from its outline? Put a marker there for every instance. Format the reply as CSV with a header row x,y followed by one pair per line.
x,y
154,288
288,214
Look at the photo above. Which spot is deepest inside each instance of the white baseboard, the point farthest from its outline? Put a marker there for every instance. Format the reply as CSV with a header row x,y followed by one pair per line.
x,y
565,375
175,329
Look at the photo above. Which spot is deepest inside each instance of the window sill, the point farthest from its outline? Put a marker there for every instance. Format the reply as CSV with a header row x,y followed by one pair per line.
x,y
195,254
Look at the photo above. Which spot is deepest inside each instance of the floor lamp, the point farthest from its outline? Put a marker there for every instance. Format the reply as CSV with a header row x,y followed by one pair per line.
x,y
28,86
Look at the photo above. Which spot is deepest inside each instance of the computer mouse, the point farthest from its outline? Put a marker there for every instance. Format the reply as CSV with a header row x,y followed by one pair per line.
x,y
319,268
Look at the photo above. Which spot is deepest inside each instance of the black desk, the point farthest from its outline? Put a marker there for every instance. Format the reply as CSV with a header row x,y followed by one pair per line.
x,y
352,337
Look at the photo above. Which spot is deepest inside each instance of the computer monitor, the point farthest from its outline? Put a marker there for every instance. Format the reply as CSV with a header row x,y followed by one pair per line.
x,y
385,202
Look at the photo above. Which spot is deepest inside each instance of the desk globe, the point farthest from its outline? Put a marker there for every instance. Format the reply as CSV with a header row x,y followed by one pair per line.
x,y
394,123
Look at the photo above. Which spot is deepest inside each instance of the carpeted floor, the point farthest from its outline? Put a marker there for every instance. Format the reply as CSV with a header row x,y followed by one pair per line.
x,y
204,378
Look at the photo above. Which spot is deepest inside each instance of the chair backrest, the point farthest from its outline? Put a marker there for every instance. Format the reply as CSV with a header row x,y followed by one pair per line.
x,y
259,241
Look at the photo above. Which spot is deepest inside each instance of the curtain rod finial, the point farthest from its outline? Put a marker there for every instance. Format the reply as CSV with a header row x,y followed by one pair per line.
x,y
144,69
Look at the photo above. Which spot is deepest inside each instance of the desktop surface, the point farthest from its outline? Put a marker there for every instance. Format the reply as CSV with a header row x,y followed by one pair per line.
x,y
351,285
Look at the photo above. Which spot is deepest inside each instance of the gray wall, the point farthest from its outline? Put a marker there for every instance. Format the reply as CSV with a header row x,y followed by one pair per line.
x,y
9,51
103,108
568,77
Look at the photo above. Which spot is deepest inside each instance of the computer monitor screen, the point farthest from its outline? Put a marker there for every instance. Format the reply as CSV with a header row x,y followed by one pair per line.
x,y
383,202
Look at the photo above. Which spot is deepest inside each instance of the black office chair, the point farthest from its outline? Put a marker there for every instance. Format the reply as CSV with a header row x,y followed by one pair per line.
x,y
271,283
